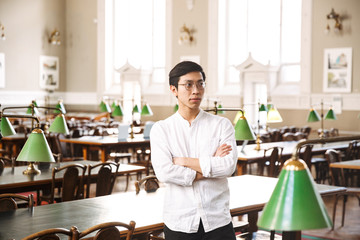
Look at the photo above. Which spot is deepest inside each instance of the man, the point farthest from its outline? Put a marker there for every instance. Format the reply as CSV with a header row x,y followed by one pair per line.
x,y
194,152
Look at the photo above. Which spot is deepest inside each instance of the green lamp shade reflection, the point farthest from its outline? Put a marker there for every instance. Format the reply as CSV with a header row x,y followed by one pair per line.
x,y
313,116
6,128
104,107
263,108
243,130
59,125
136,109
295,203
36,149
220,111
176,107
60,106
330,115
118,112
273,115
146,110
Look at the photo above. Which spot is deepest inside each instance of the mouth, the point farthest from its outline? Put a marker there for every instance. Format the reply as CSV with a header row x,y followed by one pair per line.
x,y
195,99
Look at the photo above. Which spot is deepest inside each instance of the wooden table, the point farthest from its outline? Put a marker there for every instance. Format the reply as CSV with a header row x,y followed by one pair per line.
x,y
13,143
250,155
352,164
12,180
103,144
145,208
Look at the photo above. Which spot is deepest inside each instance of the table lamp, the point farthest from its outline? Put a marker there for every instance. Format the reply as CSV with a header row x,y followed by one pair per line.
x,y
261,108
60,106
220,111
6,129
273,115
295,203
314,117
118,112
146,110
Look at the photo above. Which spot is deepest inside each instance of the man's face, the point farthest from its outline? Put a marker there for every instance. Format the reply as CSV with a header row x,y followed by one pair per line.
x,y
190,90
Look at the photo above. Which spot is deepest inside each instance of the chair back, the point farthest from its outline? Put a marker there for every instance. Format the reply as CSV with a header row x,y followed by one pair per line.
x,y
305,153
72,183
11,201
151,184
337,174
288,136
273,155
353,150
105,180
54,234
109,230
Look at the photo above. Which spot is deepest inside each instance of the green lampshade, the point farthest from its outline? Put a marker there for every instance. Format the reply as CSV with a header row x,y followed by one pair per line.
x,y
330,115
29,110
295,203
176,107
118,112
35,103
59,125
136,109
6,128
220,111
269,106
263,108
61,106
313,116
113,105
146,110
243,130
273,115
237,116
104,107
36,148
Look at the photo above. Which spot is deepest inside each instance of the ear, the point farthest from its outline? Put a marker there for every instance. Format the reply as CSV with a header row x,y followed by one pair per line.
x,y
173,90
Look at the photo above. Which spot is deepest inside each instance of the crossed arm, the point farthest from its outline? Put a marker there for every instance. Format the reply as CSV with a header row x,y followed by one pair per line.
x,y
194,163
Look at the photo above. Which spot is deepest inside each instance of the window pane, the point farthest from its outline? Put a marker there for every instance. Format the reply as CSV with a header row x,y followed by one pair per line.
x,y
290,73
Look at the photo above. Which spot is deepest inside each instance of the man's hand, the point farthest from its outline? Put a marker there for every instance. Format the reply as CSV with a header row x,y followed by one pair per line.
x,y
223,150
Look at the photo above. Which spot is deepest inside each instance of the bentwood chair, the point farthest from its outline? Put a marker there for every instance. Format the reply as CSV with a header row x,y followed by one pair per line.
x,y
109,230
271,161
54,234
305,153
72,185
338,179
12,201
151,184
105,179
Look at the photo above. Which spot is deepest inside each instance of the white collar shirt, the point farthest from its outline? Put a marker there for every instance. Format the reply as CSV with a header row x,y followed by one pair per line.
x,y
187,201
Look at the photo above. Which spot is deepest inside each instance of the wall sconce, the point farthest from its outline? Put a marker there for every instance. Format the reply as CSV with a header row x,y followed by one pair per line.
x,y
186,35
55,37
335,16
2,32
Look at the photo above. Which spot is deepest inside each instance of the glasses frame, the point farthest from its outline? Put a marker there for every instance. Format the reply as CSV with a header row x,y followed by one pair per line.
x,y
190,85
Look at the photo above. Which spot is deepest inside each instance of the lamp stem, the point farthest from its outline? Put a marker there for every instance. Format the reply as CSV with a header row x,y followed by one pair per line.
x,y
322,119
257,148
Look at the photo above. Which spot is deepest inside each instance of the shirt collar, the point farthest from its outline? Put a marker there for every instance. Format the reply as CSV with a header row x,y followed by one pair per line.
x,y
200,114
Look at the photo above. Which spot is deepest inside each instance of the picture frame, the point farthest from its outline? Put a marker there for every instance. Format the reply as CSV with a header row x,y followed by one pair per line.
x,y
49,72
2,70
337,70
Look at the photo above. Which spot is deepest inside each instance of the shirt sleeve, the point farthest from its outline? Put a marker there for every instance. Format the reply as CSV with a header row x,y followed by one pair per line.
x,y
161,158
218,167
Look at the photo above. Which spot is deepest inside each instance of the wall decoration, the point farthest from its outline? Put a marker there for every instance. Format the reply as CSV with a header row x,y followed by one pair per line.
x,y
2,70
49,72
337,70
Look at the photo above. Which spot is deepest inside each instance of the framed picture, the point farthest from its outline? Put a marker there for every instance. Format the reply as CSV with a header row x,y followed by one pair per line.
x,y
2,70
337,70
49,72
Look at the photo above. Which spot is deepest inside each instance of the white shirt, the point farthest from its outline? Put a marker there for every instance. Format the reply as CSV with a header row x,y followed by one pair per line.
x,y
187,201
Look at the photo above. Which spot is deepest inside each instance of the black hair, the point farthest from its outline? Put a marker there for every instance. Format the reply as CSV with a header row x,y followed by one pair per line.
x,y
183,68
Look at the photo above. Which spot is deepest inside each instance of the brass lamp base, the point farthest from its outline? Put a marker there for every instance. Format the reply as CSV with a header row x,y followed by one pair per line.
x,y
258,148
31,170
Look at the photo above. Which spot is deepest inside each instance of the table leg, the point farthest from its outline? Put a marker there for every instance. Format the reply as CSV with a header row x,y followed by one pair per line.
x,y
252,218
241,168
103,154
85,152
293,235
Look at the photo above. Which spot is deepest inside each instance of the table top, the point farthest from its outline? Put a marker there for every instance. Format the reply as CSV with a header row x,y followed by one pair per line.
x,y
106,140
249,153
145,208
352,164
13,180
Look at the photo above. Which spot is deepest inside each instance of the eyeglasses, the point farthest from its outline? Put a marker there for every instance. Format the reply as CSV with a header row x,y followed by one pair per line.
x,y
190,85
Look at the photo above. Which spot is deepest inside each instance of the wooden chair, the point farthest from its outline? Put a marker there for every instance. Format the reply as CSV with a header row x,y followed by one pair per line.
x,y
352,151
53,234
109,230
66,150
12,201
338,179
105,179
288,136
272,161
305,153
72,184
151,184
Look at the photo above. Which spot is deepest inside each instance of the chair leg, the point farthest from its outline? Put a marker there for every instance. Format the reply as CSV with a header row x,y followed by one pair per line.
x,y
272,235
344,210
334,210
